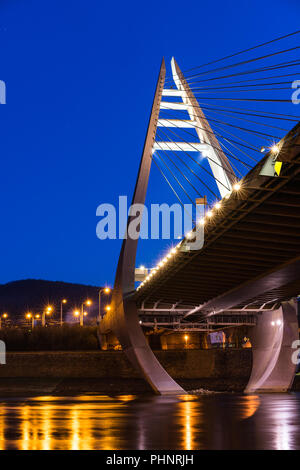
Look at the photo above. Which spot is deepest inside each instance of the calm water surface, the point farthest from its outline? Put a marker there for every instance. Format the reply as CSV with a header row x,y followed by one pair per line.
x,y
131,422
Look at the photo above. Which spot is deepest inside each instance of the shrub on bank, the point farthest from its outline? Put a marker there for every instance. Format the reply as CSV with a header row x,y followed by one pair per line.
x,y
65,338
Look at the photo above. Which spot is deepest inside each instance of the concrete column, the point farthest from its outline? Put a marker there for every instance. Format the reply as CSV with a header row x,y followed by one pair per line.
x,y
272,339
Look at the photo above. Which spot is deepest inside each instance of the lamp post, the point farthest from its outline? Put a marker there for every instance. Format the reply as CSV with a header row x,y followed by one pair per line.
x,y
106,290
76,313
29,316
4,316
63,301
87,302
48,310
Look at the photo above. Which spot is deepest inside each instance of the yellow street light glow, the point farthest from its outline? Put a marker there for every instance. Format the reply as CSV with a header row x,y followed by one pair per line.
x,y
236,186
64,301
37,316
108,308
28,315
186,337
107,290
4,315
85,314
49,309
76,313
88,302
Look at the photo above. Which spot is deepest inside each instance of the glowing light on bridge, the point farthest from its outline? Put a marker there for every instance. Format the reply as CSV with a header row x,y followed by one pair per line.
x,y
275,149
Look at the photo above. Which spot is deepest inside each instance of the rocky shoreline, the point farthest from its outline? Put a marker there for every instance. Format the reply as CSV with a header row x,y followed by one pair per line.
x,y
27,387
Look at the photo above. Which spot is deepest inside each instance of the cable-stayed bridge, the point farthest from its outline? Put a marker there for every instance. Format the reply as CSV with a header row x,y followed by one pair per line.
x,y
248,269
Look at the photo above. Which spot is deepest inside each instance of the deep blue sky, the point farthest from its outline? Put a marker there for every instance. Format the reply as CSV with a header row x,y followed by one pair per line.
x,y
80,79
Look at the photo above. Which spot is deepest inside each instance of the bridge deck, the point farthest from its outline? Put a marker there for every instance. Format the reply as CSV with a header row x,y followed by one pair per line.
x,y
256,232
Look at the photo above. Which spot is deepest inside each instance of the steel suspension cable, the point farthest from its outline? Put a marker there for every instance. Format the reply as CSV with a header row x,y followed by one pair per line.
x,y
203,168
244,51
195,174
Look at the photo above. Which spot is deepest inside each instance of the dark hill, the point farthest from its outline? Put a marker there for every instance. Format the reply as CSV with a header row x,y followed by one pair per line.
x,y
32,294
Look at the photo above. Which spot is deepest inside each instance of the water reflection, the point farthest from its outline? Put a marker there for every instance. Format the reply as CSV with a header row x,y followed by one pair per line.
x,y
131,422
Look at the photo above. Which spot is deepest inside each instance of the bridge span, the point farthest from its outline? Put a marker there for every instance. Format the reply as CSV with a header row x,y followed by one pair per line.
x,y
249,264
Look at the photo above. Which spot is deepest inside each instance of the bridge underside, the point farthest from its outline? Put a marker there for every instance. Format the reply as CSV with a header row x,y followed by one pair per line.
x,y
255,234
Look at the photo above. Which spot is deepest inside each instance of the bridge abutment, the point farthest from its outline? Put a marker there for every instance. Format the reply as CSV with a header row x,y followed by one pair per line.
x,y
273,369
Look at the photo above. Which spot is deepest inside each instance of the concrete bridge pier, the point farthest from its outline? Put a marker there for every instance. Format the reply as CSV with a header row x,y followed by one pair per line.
x,y
273,369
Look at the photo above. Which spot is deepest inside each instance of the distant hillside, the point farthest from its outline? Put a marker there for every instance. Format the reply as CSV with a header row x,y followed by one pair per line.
x,y
33,294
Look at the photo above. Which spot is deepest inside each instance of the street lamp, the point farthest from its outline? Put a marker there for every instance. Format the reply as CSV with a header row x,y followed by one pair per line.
x,y
87,302
4,316
29,316
186,340
63,301
106,290
47,311
76,313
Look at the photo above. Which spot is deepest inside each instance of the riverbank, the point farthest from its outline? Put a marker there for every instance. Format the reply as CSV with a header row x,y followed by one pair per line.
x,y
76,372
109,372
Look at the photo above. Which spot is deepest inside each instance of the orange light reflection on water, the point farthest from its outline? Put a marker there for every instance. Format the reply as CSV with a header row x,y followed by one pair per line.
x,y
48,423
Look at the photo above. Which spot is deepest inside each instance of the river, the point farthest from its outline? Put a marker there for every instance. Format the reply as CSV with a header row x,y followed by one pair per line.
x,y
187,422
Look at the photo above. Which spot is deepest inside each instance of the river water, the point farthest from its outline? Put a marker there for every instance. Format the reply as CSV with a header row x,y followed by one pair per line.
x,y
219,421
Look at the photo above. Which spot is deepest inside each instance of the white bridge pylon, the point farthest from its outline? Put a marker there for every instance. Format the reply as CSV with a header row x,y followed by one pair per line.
x,y
208,144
